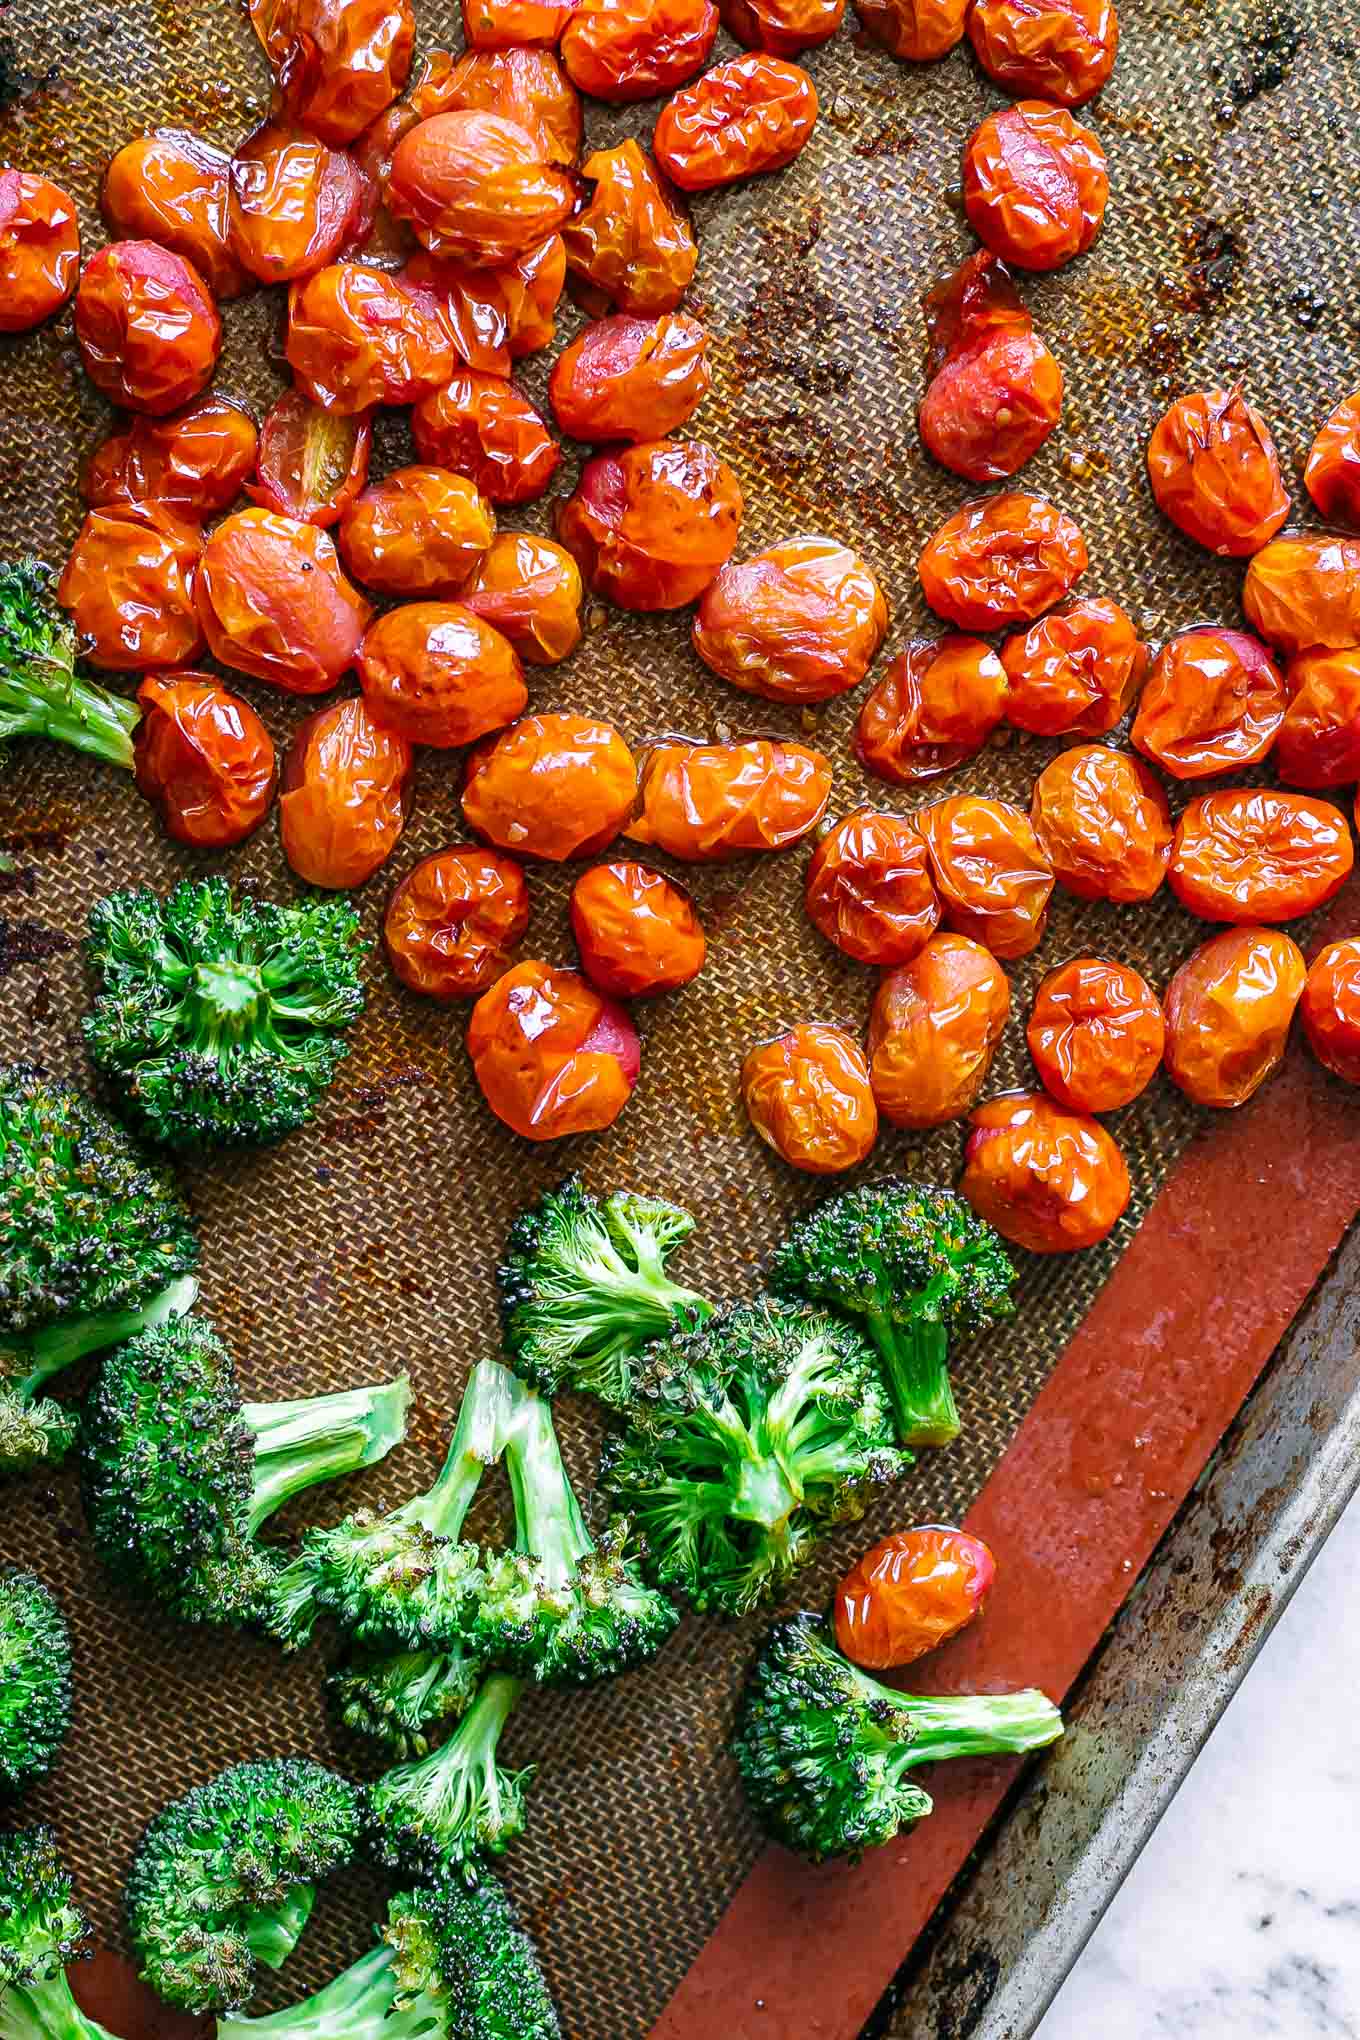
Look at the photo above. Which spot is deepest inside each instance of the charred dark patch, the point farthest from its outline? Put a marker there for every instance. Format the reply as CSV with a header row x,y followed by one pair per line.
x,y
24,942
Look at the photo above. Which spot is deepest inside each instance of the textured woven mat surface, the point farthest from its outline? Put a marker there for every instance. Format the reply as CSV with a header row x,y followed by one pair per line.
x,y
366,1244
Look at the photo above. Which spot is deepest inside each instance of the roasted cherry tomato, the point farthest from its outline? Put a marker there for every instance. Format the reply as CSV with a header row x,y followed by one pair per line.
x,y
1035,184
502,24
1075,672
783,27
420,531
294,203
39,250
359,337
484,428
1001,560
1061,50
554,786
345,796
496,315
1330,1008
1095,1033
174,188
869,888
477,188
148,329
629,378
194,462
918,30
273,602
1252,854
994,391
338,63
933,1031
1103,821
936,706
651,526
440,675
807,1095
629,246
989,870
1214,701
1215,472
453,922
618,50
704,803
1047,1179
636,932
203,759
129,585
552,1055
527,86
750,115
1304,589
1332,475
1319,740
530,589
1228,1012
802,621
312,463
909,1594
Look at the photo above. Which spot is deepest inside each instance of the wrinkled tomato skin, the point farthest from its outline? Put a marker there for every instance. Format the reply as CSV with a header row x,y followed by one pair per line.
x,y
990,871
174,188
338,63
440,675
39,250
496,315
1319,740
933,1030
1001,560
273,602
994,391
552,1055
1215,472
1254,854
346,787
529,588
129,587
552,787
1332,473
1059,50
506,24
744,118
1330,1008
203,759
650,527
1228,1014
623,50
1075,672
909,1594
783,27
359,337
935,707
294,203
637,934
630,378
705,803
807,1095
147,326
1303,589
919,31
195,462
1049,1180
454,921
801,622
482,427
1095,1034
629,246
1035,185
477,188
869,889
1214,702
1104,824
312,463
527,86
419,531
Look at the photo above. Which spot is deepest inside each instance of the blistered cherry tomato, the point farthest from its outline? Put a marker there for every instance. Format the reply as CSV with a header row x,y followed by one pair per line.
x,y
1215,472
802,621
1103,821
477,188
1001,560
203,759
501,24
1330,1008
629,378
359,337
174,188
527,86
807,1095
650,526
869,888
554,786
936,705
338,63
629,246
990,871
294,203
39,250
1228,1012
194,462
637,934
1304,589
909,1594
918,30
483,427
530,589
1332,475
496,315
148,329
1095,1033
345,796
1075,672
129,585
1319,740
453,922
620,50
273,602
1214,701
743,118
783,27
552,1055
1062,50
1048,1180
1252,854
933,1031
704,803
312,463
420,531
994,391
440,675
1035,185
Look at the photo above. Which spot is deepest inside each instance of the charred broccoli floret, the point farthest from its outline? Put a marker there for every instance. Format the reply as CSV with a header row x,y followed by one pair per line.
x,y
220,1021
402,1698
41,1931
42,694
225,1878
35,1680
453,1809
178,1473
746,1439
824,1750
918,1268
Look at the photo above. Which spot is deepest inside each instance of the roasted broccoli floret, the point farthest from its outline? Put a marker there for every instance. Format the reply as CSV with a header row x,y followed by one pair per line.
x,y
179,1474
918,1268
41,1931
94,1243
583,1287
41,692
824,1750
453,1809
35,1680
747,1438
225,1878
402,1698
220,1021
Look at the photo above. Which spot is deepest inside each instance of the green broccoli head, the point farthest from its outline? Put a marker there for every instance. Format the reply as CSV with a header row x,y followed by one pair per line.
x,y
41,692
42,1930
747,1438
35,1680
220,1021
917,1266
402,1698
225,1877
823,1749
447,1813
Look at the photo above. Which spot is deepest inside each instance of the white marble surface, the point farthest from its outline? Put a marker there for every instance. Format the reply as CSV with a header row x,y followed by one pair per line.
x,y
1241,1917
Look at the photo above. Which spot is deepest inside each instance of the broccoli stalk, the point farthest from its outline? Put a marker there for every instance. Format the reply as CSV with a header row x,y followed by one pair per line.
x,y
35,1681
399,1698
41,1931
41,693
319,1437
452,1809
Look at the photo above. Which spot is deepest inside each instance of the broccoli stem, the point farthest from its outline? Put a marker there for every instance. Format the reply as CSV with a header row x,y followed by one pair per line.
x,y
43,698
645,1297
47,2012
274,1931
549,1525
70,1339
356,2005
319,1438
975,1724
477,1442
915,1367
461,1773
